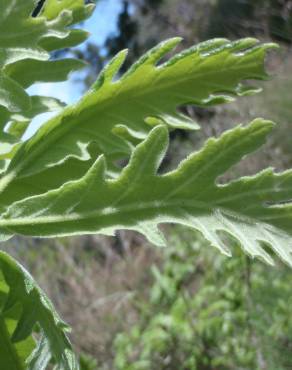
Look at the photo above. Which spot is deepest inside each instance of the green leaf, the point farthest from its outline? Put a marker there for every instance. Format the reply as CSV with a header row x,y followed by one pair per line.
x,y
23,58
39,105
53,8
13,355
24,46
26,308
74,38
114,111
251,209
7,143
12,95
18,123
27,72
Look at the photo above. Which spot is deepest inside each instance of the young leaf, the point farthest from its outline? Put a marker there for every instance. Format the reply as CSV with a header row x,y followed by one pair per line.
x,y
24,45
24,308
251,209
23,54
53,8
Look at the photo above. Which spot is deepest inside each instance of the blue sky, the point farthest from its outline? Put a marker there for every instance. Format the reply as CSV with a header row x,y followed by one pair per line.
x,y
102,23
104,20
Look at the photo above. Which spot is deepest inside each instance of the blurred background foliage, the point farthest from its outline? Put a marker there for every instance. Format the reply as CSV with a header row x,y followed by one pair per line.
x,y
186,307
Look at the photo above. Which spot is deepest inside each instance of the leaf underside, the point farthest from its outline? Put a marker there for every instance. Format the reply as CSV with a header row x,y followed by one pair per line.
x,y
117,114
65,179
25,46
43,177
250,209
53,184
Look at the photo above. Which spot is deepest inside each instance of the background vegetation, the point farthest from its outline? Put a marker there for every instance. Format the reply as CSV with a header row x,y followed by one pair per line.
x,y
133,307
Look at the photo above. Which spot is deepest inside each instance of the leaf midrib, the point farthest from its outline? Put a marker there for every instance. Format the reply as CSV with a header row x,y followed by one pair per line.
x,y
60,129
112,211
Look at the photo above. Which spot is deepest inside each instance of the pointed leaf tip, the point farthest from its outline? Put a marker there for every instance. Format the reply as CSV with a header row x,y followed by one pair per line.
x,y
98,169
153,56
146,90
159,51
111,70
148,155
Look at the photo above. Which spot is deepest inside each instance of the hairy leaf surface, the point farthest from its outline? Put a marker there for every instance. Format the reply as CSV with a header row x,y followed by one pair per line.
x,y
23,54
116,115
250,209
64,180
